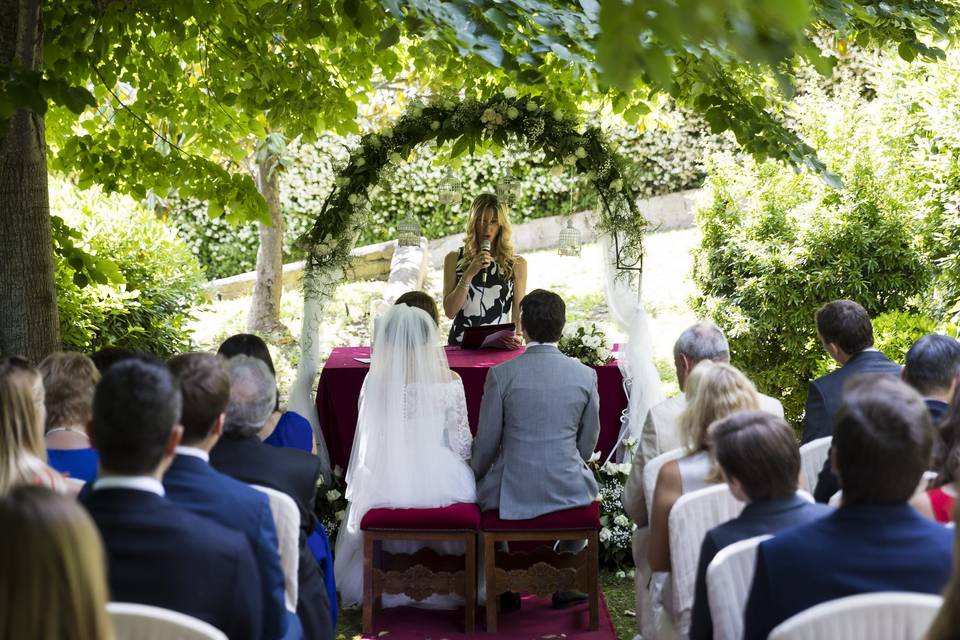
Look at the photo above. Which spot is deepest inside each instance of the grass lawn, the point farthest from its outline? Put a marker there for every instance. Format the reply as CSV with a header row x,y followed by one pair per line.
x,y
618,593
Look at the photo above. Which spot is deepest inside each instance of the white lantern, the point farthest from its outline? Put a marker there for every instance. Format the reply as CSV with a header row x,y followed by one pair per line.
x,y
451,192
569,243
408,232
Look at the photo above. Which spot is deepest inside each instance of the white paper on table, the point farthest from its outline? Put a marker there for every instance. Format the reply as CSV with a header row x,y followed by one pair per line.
x,y
495,340
363,360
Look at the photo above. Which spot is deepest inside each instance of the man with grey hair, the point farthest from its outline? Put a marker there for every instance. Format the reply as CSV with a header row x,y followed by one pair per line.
x,y
661,430
242,455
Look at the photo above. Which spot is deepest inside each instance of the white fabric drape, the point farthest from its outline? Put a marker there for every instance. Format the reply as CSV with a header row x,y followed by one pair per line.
x,y
635,358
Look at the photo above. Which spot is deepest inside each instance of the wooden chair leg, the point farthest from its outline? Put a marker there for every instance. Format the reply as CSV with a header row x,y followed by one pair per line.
x,y
489,574
470,588
593,577
367,583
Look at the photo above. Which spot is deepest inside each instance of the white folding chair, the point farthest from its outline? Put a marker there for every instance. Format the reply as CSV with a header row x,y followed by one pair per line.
x,y
286,518
812,457
650,472
692,515
729,577
142,622
890,615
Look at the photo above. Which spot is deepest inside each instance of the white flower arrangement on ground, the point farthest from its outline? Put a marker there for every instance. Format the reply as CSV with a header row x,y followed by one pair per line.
x,y
616,528
586,343
331,504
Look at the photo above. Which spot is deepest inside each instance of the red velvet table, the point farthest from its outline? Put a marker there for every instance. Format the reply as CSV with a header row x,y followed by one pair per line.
x,y
342,377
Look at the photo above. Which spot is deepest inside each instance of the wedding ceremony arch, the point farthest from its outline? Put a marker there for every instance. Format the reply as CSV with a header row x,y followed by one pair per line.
x,y
467,124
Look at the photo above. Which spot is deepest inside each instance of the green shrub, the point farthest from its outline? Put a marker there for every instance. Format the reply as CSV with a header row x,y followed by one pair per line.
x,y
664,159
163,278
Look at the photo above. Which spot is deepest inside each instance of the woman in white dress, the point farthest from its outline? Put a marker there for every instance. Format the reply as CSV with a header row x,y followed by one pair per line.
x,y
412,441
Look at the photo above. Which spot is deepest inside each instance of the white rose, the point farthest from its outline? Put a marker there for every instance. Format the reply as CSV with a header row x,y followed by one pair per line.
x,y
591,341
625,468
556,170
605,534
603,353
435,125
609,468
580,152
570,159
513,113
396,158
353,198
333,495
621,520
617,185
339,515
594,456
532,106
509,92
621,574
630,441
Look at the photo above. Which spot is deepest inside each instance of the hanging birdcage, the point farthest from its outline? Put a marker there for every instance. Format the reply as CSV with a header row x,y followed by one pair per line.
x,y
508,191
451,192
408,232
569,243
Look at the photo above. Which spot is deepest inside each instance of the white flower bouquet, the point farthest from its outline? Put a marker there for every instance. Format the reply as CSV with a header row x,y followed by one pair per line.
x,y
586,343
616,528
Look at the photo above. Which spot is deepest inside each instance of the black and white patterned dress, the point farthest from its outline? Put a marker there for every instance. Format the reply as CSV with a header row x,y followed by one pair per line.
x,y
492,304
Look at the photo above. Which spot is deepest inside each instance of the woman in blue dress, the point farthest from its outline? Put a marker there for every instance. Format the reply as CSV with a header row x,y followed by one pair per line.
x,y
69,380
484,286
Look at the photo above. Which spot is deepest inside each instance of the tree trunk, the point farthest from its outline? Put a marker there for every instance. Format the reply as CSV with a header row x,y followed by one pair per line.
x,y
28,299
264,314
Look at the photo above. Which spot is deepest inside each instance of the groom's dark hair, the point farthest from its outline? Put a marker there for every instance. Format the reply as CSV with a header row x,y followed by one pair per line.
x,y
543,314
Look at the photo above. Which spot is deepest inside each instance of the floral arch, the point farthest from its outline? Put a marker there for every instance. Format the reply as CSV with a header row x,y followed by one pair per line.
x,y
563,137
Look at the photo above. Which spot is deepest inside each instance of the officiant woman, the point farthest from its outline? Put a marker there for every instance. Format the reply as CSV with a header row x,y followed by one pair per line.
x,y
484,281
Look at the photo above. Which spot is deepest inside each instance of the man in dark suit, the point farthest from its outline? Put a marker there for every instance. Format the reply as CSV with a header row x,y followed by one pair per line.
x,y
158,553
193,484
240,453
875,541
846,333
758,454
932,367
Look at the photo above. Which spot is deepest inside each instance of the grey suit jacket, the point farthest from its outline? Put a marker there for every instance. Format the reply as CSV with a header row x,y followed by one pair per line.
x,y
539,423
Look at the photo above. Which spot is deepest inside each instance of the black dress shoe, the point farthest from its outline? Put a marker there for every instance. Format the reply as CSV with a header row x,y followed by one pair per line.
x,y
564,599
509,601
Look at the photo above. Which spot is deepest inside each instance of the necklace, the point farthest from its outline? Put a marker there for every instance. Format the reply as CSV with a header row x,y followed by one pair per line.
x,y
70,429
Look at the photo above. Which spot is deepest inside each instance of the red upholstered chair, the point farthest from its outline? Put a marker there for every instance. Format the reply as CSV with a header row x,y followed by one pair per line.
x,y
424,573
542,571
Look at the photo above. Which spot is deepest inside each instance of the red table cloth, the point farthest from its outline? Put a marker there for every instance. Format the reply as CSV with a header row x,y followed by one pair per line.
x,y
342,377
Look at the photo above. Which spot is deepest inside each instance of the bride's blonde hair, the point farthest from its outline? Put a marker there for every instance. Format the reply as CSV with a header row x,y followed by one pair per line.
x,y
502,249
714,390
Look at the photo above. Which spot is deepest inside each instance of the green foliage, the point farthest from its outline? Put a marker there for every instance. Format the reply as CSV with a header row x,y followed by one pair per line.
x,y
158,280
661,159
895,331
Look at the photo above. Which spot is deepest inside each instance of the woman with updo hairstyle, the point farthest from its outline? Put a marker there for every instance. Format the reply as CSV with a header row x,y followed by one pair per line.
x,y
484,287
23,456
52,570
714,391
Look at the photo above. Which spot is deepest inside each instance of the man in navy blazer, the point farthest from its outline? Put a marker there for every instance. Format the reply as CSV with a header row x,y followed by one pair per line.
x,y
158,553
846,333
241,455
875,541
193,484
758,454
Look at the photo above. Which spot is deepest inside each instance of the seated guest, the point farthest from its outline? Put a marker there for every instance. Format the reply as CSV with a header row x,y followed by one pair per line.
x,y
758,455
193,484
240,453
412,458
282,429
158,553
22,414
52,582
932,367
875,541
109,356
846,333
421,300
947,622
539,423
938,502
68,383
716,391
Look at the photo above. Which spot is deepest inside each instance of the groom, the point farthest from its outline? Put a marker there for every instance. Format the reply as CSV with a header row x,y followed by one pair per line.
x,y
539,423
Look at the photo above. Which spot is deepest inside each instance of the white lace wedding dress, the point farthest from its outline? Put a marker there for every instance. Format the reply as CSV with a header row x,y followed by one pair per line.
x,y
411,445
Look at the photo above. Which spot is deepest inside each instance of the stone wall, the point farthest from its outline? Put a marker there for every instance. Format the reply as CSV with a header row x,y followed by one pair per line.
x,y
372,262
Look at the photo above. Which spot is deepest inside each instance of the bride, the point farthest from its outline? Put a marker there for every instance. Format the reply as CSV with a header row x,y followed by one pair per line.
x,y
412,441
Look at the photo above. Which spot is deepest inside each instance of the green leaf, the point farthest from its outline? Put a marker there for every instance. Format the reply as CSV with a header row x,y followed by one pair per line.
x,y
389,37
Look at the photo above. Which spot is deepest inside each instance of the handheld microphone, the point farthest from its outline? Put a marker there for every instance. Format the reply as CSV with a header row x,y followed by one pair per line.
x,y
485,246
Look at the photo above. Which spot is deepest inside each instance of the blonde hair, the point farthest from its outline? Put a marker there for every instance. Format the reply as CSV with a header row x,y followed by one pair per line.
x,y
502,249
52,561
21,421
69,380
714,390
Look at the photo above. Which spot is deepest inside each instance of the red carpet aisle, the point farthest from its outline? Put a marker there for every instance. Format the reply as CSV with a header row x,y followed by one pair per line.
x,y
537,620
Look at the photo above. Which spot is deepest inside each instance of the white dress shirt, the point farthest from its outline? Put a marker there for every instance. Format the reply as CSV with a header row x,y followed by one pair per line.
x,y
137,483
195,452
